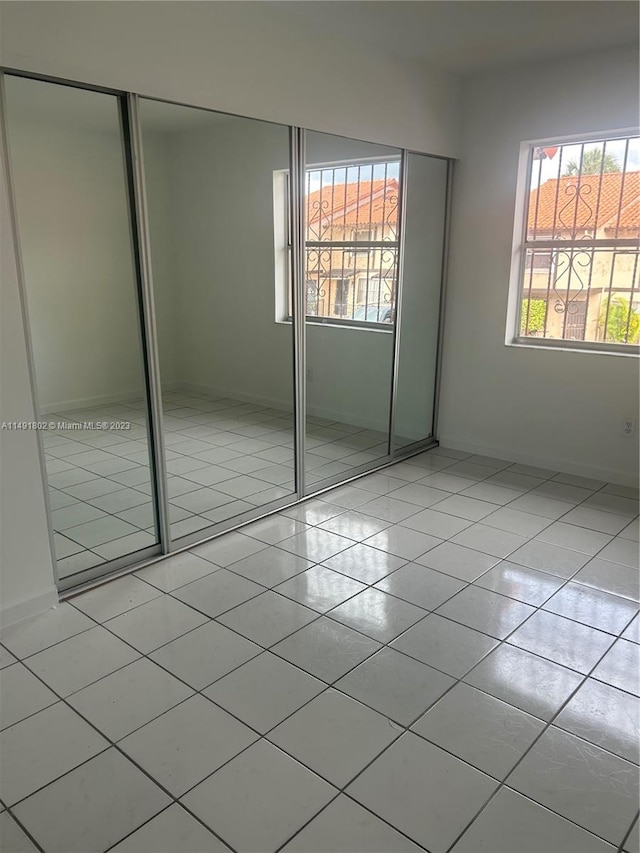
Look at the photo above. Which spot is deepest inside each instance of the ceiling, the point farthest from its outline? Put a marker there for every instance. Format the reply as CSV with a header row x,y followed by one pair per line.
x,y
467,36
460,36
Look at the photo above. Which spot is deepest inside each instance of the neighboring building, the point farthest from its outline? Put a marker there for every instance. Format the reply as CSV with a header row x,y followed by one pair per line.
x,y
574,291
352,249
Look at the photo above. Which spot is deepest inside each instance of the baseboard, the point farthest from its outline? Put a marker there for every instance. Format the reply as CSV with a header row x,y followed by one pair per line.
x,y
567,466
91,402
19,610
347,418
284,405
232,393
196,388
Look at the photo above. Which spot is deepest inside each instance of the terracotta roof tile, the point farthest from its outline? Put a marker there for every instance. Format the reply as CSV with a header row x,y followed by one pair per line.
x,y
591,202
359,203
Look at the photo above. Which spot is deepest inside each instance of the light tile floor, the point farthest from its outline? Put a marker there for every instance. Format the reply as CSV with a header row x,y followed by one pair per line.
x,y
444,657
224,457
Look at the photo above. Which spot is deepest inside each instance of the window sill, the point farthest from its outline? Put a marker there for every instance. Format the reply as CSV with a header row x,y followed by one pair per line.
x,y
362,326
624,350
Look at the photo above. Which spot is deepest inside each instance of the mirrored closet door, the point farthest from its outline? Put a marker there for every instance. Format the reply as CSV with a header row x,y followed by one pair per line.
x,y
70,185
351,223
225,315
417,347
216,202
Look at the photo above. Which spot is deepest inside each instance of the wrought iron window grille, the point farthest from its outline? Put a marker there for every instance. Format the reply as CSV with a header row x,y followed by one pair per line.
x,y
580,253
351,246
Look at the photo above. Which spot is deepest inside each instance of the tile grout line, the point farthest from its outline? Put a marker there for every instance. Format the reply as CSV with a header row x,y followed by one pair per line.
x,y
31,838
368,586
124,486
321,614
548,725
264,736
141,439
621,847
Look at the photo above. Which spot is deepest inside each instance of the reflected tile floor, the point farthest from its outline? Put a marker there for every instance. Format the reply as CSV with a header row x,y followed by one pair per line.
x,y
224,457
441,657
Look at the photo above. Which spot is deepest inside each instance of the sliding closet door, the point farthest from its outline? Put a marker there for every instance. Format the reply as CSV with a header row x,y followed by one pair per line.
x,y
218,222
424,226
70,187
351,201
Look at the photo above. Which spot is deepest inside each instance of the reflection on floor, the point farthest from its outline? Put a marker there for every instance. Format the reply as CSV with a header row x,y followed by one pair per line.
x,y
440,657
224,457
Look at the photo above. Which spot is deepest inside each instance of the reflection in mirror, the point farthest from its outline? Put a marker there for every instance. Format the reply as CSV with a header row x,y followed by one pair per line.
x,y
216,204
351,262
425,191
73,219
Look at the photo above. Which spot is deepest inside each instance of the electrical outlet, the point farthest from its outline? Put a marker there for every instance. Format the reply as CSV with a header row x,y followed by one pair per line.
x,y
309,374
628,427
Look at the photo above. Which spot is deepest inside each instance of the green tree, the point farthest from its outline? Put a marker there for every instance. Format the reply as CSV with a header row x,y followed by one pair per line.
x,y
593,163
620,324
532,316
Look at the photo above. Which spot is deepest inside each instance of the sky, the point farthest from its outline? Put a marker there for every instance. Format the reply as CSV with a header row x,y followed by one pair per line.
x,y
565,153
543,170
318,178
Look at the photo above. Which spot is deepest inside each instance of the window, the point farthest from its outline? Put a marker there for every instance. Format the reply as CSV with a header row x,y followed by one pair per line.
x,y
351,245
538,260
578,273
351,252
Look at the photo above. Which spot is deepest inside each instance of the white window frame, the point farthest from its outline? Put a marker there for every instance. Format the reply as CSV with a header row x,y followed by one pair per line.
x,y
519,245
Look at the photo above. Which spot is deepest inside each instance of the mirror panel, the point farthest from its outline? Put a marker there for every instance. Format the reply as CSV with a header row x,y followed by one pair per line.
x,y
426,191
73,214
351,259
217,206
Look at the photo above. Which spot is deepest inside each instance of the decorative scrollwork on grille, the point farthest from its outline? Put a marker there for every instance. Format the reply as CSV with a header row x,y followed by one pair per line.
x,y
318,266
571,279
317,223
576,214
391,217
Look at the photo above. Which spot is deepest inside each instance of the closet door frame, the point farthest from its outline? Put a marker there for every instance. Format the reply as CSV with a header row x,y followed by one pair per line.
x,y
297,157
137,195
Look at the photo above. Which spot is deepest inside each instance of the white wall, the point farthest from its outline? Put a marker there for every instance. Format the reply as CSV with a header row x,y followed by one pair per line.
x,y
245,58
562,410
26,568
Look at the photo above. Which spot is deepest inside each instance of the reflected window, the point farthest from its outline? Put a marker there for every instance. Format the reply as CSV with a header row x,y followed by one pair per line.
x,y
351,241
